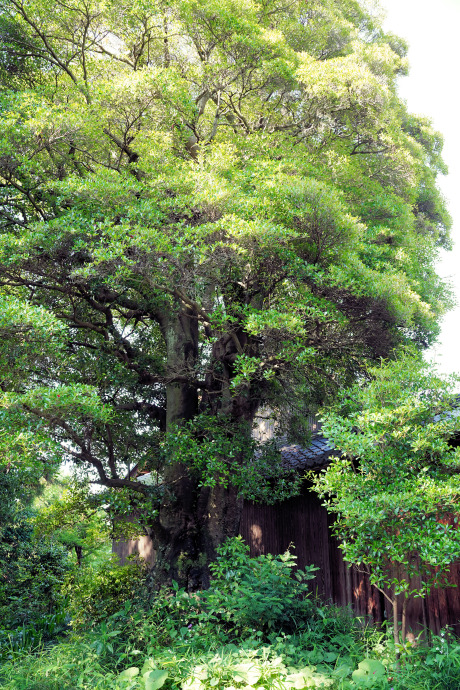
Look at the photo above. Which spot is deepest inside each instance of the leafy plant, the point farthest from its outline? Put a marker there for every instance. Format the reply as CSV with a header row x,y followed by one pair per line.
x,y
96,592
68,514
369,674
331,650
264,592
395,491
32,574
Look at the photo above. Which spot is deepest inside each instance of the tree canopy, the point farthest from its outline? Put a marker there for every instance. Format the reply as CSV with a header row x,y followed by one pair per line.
x,y
205,208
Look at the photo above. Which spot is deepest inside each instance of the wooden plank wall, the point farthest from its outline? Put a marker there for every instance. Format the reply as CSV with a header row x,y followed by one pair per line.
x,y
303,522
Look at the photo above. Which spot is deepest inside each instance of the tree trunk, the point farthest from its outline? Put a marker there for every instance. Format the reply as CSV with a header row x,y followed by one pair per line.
x,y
193,520
189,530
403,621
180,331
79,554
221,520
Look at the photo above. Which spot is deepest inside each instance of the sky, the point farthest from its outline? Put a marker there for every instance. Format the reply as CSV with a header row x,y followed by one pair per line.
x,y
433,88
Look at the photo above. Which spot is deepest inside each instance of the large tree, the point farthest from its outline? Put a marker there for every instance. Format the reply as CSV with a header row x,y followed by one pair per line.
x,y
207,208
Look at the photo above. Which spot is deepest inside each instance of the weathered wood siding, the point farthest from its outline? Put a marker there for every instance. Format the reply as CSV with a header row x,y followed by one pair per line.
x,y
142,546
303,522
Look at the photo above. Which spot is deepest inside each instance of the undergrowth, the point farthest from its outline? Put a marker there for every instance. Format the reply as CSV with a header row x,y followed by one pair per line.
x,y
253,630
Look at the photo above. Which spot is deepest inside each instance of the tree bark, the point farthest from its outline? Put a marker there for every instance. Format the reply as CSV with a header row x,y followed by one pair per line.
x,y
180,331
222,516
189,530
403,621
79,554
193,520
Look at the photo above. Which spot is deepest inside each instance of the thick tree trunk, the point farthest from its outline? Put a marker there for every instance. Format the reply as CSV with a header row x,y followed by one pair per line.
x,y
193,520
221,519
189,530
180,331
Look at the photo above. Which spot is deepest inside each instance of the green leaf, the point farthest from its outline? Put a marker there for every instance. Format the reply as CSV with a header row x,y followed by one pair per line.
x,y
247,673
296,681
368,673
129,673
149,665
342,671
193,684
155,679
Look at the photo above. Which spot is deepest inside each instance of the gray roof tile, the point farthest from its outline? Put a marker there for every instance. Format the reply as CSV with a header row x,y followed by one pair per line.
x,y
315,456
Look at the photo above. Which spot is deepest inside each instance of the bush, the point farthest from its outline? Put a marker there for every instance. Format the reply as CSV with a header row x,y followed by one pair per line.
x,y
182,641
107,660
261,593
249,598
31,576
97,592
32,636
434,667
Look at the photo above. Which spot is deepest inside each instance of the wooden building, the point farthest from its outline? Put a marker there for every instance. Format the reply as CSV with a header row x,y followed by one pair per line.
x,y
303,522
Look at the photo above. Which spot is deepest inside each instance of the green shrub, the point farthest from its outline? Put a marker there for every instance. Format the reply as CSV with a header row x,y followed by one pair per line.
x,y
247,597
283,664
182,641
430,667
250,593
65,666
353,658
97,592
31,575
43,630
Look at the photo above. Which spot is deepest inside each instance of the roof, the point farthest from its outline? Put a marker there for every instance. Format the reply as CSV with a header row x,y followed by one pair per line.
x,y
318,454
315,456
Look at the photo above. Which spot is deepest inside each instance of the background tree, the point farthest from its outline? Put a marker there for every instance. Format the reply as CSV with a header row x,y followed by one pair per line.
x,y
212,207
395,491
68,514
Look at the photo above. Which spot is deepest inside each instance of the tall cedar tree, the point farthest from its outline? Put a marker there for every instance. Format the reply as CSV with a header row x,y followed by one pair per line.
x,y
207,208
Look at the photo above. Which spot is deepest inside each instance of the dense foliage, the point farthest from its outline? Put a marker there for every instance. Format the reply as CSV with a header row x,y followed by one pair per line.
x,y
182,641
32,572
68,514
395,491
205,208
99,590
